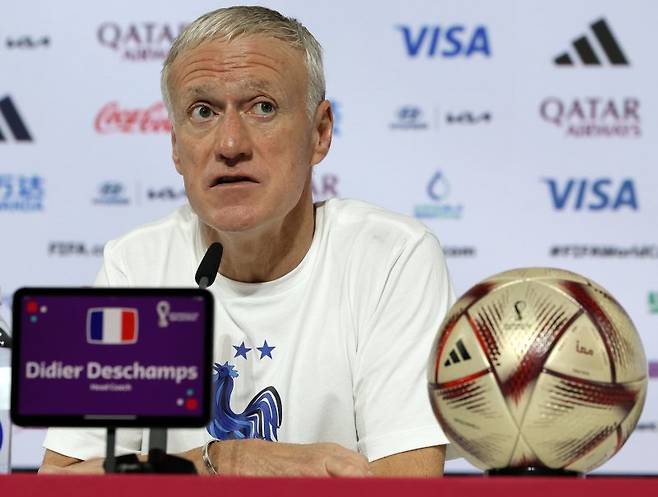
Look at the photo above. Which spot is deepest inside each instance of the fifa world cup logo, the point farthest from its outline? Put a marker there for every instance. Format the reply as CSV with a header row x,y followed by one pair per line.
x,y
163,308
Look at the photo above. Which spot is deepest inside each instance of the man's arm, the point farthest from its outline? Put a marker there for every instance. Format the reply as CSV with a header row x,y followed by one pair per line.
x,y
56,463
246,458
414,463
268,459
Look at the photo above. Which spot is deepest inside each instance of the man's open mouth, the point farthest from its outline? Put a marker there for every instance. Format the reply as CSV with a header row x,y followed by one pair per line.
x,y
225,180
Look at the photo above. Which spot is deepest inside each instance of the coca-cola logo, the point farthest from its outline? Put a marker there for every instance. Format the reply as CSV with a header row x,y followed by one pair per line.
x,y
139,41
113,119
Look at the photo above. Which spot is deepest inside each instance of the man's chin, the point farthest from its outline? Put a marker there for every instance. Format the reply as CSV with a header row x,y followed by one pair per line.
x,y
235,220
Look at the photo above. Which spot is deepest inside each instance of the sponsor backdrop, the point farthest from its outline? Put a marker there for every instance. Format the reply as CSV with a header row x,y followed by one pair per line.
x,y
522,132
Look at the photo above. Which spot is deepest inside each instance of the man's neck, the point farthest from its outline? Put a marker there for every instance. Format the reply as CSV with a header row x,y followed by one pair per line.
x,y
269,253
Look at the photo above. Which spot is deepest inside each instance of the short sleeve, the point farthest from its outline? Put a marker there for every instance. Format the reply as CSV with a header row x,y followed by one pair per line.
x,y
111,272
393,410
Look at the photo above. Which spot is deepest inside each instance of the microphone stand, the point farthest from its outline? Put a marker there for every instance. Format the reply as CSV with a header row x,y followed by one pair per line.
x,y
110,464
158,460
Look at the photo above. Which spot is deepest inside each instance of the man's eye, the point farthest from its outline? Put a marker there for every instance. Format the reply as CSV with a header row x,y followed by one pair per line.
x,y
263,108
201,112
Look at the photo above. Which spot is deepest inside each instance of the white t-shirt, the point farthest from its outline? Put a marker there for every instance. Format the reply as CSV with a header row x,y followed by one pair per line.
x,y
343,339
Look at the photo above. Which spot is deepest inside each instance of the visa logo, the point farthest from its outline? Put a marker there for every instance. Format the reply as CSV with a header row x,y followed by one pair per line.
x,y
594,195
446,41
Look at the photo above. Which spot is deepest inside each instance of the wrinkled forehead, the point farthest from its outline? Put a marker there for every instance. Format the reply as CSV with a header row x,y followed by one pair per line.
x,y
264,59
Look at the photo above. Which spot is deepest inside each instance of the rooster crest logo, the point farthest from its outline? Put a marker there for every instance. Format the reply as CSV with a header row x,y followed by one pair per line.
x,y
261,419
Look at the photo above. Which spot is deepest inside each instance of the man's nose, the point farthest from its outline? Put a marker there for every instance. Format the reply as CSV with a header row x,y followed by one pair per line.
x,y
232,143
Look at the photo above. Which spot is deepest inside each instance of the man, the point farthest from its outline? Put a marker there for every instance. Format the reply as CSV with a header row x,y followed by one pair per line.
x,y
331,308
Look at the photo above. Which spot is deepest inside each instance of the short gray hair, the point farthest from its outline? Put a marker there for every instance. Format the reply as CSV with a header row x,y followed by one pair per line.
x,y
234,22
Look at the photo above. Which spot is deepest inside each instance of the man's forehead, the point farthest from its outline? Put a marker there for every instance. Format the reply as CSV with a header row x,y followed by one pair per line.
x,y
251,62
257,49
197,89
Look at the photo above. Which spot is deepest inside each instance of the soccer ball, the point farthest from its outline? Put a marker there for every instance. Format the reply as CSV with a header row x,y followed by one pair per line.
x,y
537,368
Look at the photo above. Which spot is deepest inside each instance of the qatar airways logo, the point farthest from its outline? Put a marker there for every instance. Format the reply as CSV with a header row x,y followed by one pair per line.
x,y
113,118
594,117
139,41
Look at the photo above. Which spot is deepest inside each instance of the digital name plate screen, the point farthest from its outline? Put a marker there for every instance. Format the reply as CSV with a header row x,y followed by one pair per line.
x,y
102,357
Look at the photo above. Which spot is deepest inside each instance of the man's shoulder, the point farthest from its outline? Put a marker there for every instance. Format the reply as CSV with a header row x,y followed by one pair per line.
x,y
180,224
365,221
156,252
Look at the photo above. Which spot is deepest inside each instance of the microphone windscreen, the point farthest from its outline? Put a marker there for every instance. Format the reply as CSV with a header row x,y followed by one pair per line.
x,y
209,264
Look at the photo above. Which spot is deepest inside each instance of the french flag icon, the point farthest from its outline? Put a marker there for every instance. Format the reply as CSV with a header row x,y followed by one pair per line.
x,y
112,326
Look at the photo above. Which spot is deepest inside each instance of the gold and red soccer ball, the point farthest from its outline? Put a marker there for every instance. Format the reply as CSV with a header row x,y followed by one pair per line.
x,y
537,368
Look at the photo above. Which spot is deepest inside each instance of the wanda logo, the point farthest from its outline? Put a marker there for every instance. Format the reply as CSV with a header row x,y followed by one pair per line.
x,y
114,119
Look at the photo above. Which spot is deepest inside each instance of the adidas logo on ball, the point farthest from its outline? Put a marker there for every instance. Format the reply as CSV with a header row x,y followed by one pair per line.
x,y
458,354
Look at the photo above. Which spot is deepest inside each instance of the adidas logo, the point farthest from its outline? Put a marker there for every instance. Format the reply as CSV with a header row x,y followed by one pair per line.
x,y
591,55
458,354
13,120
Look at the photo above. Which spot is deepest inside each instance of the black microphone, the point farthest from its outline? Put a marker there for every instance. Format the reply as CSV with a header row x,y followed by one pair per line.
x,y
207,272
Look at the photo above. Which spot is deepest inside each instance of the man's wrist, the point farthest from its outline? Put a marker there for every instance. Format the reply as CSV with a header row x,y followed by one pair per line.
x,y
207,459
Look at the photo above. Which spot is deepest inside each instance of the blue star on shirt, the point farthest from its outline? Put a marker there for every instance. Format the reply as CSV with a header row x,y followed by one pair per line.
x,y
266,350
241,350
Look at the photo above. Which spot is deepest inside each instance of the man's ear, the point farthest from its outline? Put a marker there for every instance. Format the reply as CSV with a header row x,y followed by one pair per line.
x,y
174,152
323,128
